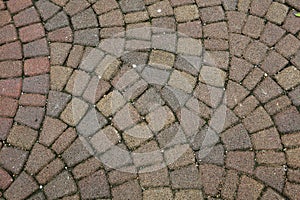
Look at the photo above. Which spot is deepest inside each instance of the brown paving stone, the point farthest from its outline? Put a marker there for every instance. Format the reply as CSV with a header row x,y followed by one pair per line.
x,y
158,193
141,157
216,30
230,185
49,171
5,17
15,6
241,160
61,35
59,76
288,45
8,34
185,178
22,137
164,23
249,188
239,69
181,2
26,17
13,159
236,138
289,77
36,48
21,188
277,12
11,51
294,95
154,178
9,106
216,44
64,140
290,140
270,158
185,159
39,157
86,168
296,60
254,26
164,7
246,107
189,194
272,176
215,156
30,116
31,32
60,2
192,29
277,105
220,59
207,3
260,7
292,23
36,66
103,6
235,93
266,90
59,53
202,92
253,78
255,52
37,196
132,5
212,14
36,84
94,186
211,177
128,190
75,6
10,69
5,180
293,157
77,82
108,32
271,34
118,177
271,194
294,175
288,120
6,124
273,63
87,37
85,19
10,87
60,186
56,103
292,190
112,18
75,56
257,120
46,9
186,13
236,21
126,117
58,21
238,44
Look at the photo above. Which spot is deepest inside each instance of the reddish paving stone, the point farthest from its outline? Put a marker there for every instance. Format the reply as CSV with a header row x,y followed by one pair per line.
x,y
236,138
22,137
293,159
30,116
5,125
16,6
216,30
273,63
238,44
52,129
212,14
272,176
192,29
236,21
21,188
5,179
2,5
292,23
185,177
75,6
290,140
113,18
211,177
128,190
10,69
292,190
5,17
271,34
256,52
254,26
62,185
32,100
31,32
36,48
36,66
36,84
46,9
51,170
11,51
260,7
86,168
13,159
26,17
39,157
64,140
61,35
288,120
240,160
267,89
11,87
94,186
8,106
249,188
230,184
288,45
266,139
8,34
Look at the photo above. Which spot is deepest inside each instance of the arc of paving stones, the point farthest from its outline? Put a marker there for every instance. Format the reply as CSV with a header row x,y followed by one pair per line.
x,y
255,42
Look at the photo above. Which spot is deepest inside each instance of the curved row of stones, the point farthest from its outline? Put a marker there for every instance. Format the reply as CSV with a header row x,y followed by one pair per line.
x,y
251,46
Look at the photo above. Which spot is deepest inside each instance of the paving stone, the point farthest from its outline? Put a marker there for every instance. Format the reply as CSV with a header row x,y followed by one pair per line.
x,y
246,106
288,45
36,48
6,179
179,156
266,139
6,124
155,76
161,59
94,186
234,94
236,138
216,30
199,107
149,101
87,37
26,17
103,6
292,23
229,5
118,177
238,44
133,5
86,168
49,171
59,53
61,185
16,6
59,76
291,190
56,103
275,106
260,8
61,35
74,111
134,17
13,159
37,196
112,18
189,194
249,188
216,44
240,160
271,194
215,155
290,140
162,24
236,21
288,120
270,158
212,14
273,63
95,90
182,81
149,155
137,135
58,21
77,82
273,176
8,34
204,92
60,2
253,78
277,12
192,29
11,87
159,9
11,51
288,78
110,103
22,137
76,153
271,34
257,120
266,90
135,90
211,176
239,69
230,185
207,3
75,6
124,78
254,26
30,116
21,188
255,52
165,116
108,32
294,95
5,17
128,190
296,60
9,106
64,140
188,64
36,66
185,178
158,193
36,84
47,9
85,19
294,175
10,69
155,178
52,129
126,117
186,13
75,56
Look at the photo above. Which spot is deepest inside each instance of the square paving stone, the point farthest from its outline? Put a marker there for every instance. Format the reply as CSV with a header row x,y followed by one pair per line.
x,y
289,77
13,159
103,6
75,6
160,118
277,12
258,120
288,45
185,178
182,80
288,120
249,188
241,160
22,136
256,52
266,90
154,178
273,63
49,171
111,103
161,8
254,26
212,14
30,116
260,7
236,138
56,103
186,13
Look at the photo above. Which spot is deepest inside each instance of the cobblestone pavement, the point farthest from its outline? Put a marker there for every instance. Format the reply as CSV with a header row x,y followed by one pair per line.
x,y
149,99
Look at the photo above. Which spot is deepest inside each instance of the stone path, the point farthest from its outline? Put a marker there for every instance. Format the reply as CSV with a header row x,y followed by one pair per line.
x,y
149,99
